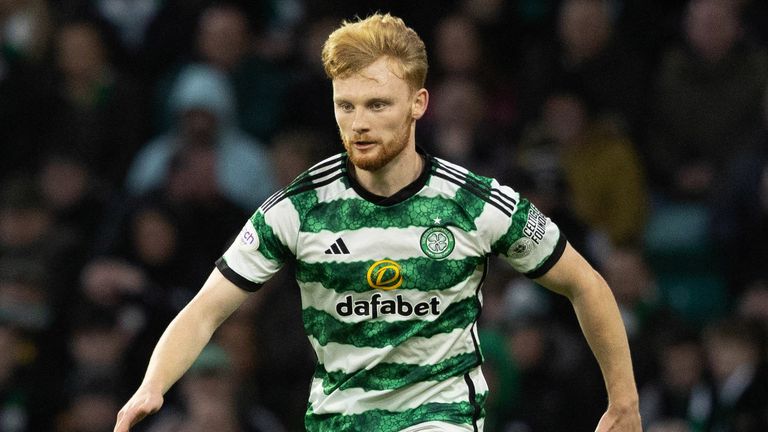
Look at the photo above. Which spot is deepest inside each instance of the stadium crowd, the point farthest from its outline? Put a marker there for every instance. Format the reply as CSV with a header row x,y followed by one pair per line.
x,y
137,136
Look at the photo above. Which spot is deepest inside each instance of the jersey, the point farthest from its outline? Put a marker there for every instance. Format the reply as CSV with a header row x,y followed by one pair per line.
x,y
390,287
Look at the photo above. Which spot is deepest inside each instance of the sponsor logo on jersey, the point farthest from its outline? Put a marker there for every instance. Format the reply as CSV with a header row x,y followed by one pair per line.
x,y
248,238
385,275
437,242
376,307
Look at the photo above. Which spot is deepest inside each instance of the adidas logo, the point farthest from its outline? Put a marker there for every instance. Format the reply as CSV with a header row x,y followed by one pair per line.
x,y
337,248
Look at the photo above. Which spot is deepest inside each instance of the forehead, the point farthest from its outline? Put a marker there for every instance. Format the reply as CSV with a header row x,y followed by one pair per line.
x,y
380,78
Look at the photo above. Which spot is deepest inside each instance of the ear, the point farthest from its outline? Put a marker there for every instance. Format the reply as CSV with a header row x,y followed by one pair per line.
x,y
419,103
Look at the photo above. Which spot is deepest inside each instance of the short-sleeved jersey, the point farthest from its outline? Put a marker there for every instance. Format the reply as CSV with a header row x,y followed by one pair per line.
x,y
390,287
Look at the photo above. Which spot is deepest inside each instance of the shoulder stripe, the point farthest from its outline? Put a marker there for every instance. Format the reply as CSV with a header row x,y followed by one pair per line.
x,y
308,175
305,187
303,183
498,193
473,189
488,194
325,163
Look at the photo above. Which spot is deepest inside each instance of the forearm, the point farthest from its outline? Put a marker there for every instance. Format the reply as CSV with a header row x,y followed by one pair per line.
x,y
176,350
603,329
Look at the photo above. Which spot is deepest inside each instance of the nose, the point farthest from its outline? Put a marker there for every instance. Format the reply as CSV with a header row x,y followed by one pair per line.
x,y
360,123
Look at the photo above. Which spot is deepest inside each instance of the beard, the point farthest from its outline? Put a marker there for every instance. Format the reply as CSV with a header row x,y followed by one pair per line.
x,y
381,153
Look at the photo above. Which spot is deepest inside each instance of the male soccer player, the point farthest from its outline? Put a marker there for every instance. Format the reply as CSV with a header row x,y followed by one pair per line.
x,y
391,248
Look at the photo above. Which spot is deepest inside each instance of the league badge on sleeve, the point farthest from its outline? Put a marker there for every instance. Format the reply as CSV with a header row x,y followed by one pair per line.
x,y
248,239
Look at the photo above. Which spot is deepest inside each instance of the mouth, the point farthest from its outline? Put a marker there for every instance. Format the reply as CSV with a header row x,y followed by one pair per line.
x,y
363,144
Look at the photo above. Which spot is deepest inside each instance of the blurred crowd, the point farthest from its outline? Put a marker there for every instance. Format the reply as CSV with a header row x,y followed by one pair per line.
x,y
138,135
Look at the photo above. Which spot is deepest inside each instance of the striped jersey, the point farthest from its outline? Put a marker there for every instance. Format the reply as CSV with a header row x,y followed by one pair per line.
x,y
390,287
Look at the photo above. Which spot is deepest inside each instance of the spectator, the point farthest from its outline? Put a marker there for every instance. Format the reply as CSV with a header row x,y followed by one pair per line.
x,y
89,410
586,53
602,171
204,132
459,128
753,303
740,211
209,401
77,200
146,36
546,358
97,348
225,41
502,27
707,101
736,357
28,232
309,82
26,298
646,317
293,151
25,30
96,112
460,56
681,392
22,408
163,242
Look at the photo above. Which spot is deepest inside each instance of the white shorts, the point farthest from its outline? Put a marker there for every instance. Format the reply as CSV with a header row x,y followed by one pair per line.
x,y
436,426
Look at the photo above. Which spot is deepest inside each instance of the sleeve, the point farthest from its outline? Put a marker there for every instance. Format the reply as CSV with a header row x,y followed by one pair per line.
x,y
532,243
261,248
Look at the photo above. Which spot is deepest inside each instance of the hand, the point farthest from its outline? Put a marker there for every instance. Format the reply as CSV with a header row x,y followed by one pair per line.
x,y
620,420
140,405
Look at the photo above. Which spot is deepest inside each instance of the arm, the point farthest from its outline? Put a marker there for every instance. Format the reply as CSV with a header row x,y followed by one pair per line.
x,y
180,345
601,323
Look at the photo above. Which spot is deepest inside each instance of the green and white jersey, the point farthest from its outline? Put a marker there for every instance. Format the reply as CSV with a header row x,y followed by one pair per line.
x,y
390,287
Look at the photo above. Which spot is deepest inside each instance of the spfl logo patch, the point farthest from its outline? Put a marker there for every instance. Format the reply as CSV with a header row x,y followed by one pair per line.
x,y
437,242
248,238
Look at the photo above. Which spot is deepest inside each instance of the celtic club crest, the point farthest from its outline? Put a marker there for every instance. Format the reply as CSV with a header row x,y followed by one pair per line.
x,y
437,242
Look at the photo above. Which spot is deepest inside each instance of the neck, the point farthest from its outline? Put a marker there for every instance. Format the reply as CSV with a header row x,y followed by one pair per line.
x,y
397,174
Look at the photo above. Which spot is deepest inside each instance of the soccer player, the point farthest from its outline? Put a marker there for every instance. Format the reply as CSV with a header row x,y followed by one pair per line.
x,y
391,247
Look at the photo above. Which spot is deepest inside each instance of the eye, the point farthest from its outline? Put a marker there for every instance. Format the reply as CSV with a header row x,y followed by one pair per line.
x,y
345,107
378,105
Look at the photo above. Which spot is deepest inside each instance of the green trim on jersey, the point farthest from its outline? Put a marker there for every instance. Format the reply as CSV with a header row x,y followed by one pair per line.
x,y
352,214
269,245
424,274
392,376
304,202
515,231
380,420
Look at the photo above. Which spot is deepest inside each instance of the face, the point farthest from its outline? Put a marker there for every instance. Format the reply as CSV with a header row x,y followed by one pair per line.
x,y
584,27
565,118
375,111
712,28
80,51
223,37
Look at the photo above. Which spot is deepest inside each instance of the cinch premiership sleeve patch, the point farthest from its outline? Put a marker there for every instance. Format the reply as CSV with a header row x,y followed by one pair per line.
x,y
533,243
254,256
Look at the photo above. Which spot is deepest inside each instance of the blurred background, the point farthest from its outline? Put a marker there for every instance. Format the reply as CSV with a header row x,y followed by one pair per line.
x,y
138,135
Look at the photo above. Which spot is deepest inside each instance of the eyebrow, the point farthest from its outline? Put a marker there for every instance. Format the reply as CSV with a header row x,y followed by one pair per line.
x,y
368,101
